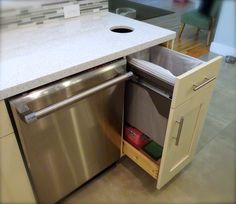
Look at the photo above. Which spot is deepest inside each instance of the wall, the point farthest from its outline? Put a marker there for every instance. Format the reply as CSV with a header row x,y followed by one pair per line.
x,y
15,13
225,37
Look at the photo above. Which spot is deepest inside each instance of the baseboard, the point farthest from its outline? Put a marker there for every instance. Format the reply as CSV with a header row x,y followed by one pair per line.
x,y
222,49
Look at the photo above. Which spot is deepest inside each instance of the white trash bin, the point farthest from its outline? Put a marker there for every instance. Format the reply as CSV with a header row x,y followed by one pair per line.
x,y
149,94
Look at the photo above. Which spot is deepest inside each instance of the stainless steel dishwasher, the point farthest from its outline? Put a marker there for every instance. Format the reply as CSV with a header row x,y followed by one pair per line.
x,y
70,130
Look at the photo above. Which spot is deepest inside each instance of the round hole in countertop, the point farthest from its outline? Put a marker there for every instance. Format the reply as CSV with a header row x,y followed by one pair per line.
x,y
121,29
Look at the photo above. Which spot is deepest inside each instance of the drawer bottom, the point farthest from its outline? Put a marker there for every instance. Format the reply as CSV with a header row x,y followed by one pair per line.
x,y
142,159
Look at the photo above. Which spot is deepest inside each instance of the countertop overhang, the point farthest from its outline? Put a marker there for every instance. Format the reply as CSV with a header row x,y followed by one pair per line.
x,y
35,56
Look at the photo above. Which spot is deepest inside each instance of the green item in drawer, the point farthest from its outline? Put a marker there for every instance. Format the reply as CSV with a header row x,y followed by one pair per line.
x,y
153,149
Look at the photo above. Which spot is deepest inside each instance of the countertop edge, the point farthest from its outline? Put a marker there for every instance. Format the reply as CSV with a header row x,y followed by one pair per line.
x,y
32,84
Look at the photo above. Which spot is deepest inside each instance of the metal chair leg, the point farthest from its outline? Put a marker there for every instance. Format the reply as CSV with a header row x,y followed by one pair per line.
x,y
210,31
209,36
198,30
181,29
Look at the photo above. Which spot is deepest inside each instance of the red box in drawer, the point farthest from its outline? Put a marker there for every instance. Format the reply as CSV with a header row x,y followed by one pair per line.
x,y
135,137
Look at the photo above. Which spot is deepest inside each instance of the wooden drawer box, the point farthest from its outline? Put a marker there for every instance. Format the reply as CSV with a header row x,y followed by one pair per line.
x,y
143,160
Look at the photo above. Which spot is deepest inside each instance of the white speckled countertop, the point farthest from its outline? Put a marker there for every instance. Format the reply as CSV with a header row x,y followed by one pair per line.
x,y
34,56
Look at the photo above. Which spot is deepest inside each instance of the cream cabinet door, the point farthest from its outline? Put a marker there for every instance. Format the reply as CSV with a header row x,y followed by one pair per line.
x,y
14,183
183,130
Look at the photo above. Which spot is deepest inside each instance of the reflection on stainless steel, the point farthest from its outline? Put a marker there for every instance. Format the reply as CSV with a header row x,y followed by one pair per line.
x,y
69,146
29,116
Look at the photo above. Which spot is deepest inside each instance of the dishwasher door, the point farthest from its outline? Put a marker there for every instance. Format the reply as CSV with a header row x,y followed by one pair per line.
x,y
71,130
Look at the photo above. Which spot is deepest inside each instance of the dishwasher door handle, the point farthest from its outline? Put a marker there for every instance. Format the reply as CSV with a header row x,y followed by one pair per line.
x,y
28,116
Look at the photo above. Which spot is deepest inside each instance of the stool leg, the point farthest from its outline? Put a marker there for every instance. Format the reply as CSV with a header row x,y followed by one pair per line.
x,y
181,29
198,30
209,37
210,31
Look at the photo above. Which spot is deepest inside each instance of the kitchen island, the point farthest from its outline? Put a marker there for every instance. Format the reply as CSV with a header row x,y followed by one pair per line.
x,y
49,57
38,55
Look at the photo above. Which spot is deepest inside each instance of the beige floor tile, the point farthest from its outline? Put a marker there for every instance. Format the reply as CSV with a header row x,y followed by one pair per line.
x,y
222,107
228,136
210,130
211,176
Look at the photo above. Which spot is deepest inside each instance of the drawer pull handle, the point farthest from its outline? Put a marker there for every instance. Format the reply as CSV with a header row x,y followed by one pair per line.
x,y
181,123
208,80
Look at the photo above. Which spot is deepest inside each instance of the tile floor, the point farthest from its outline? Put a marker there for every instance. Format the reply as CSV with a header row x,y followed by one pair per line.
x,y
210,178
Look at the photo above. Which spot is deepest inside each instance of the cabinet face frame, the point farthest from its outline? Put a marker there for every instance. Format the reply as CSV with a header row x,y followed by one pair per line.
x,y
14,182
5,123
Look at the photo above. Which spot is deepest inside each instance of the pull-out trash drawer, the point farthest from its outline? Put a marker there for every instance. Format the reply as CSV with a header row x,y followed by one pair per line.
x,y
167,99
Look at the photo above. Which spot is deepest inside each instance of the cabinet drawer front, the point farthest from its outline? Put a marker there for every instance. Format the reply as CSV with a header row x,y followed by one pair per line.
x,y
143,161
195,80
5,123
